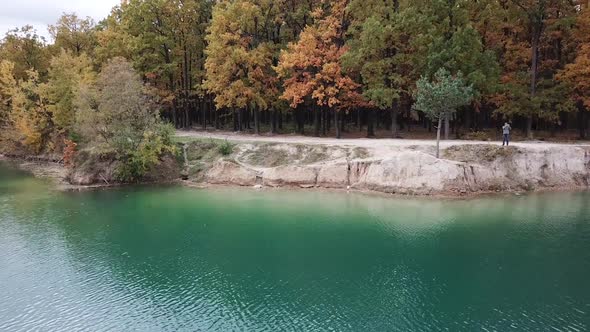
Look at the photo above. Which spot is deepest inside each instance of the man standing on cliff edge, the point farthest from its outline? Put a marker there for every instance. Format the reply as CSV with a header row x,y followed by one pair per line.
x,y
506,133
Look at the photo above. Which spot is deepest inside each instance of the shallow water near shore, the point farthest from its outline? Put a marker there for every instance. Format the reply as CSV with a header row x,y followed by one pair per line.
x,y
179,259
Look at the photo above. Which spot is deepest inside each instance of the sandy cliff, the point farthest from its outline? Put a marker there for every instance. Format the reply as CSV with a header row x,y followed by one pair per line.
x,y
463,169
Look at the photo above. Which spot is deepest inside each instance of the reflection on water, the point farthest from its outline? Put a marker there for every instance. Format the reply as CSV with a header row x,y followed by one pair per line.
x,y
174,258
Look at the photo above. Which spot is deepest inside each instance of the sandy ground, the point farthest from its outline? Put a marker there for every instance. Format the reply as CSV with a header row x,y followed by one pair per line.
x,y
358,142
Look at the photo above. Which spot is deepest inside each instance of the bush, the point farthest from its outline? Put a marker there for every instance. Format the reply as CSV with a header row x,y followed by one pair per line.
x,y
135,163
226,148
117,114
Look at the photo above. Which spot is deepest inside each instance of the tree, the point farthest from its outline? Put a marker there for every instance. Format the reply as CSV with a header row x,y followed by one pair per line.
x,y
112,40
536,12
118,116
441,97
458,46
166,44
311,67
74,34
8,84
66,73
239,61
542,28
577,73
30,115
373,47
26,49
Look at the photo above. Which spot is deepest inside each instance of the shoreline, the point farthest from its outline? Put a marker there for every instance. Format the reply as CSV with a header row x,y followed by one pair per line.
x,y
437,196
57,174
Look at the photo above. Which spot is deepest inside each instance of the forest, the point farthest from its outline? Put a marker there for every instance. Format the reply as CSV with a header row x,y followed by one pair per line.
x,y
292,66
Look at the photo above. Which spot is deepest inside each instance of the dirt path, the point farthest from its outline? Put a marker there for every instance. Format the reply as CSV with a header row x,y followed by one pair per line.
x,y
358,142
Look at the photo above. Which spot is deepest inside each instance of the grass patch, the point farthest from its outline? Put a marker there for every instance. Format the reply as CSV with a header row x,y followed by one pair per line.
x,y
267,155
312,155
488,153
204,150
360,153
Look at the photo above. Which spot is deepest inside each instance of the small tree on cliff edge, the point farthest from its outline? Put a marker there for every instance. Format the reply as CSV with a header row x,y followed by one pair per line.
x,y
442,97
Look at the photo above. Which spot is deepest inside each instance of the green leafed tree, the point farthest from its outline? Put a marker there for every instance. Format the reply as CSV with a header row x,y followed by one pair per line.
x,y
441,97
373,46
30,115
74,34
7,86
66,73
118,116
26,49
458,46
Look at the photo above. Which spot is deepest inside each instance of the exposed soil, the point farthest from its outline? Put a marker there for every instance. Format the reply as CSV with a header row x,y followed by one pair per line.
x,y
392,165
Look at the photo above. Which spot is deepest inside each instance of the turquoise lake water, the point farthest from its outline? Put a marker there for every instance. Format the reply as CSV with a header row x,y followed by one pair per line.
x,y
180,259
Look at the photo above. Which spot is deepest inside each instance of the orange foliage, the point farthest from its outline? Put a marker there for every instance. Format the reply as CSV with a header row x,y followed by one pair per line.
x,y
69,152
311,67
577,74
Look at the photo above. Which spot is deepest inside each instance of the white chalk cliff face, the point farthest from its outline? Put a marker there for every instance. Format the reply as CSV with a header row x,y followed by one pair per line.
x,y
421,173
462,169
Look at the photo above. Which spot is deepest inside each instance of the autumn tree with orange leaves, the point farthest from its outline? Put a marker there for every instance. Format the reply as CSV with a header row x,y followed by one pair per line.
x,y
577,73
312,70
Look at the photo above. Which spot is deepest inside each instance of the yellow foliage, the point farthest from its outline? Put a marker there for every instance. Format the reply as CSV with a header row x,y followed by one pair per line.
x,y
29,113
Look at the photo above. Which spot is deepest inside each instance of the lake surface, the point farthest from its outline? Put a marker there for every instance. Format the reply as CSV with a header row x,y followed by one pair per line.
x,y
173,258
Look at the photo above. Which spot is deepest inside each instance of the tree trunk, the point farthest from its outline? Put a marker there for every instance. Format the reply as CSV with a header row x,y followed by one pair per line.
x,y
394,126
534,67
447,125
529,127
438,137
247,118
204,115
216,118
256,121
323,117
240,119
316,121
337,124
358,120
371,123
300,120
581,123
468,117
273,121
174,118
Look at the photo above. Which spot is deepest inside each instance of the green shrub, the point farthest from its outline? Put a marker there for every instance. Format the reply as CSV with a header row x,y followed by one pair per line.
x,y
136,162
226,148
